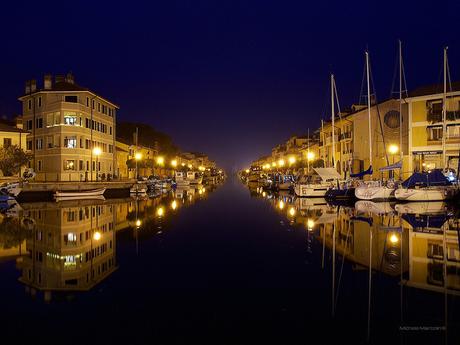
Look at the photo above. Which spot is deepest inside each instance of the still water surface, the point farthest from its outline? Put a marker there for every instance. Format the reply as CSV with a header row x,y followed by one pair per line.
x,y
229,265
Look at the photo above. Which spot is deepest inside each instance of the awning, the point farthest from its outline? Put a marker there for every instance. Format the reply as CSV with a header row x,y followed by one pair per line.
x,y
327,173
394,166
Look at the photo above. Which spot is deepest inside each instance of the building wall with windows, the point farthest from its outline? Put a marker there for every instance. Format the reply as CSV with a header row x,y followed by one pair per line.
x,y
66,122
426,122
10,136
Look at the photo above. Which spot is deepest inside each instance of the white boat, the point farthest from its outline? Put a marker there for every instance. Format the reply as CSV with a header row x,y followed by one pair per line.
x,y
181,178
379,208
13,189
81,197
80,194
138,189
375,190
305,187
421,207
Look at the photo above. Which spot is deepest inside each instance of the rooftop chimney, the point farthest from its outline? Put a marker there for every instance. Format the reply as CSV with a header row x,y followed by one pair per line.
x,y
48,82
33,85
59,78
69,78
27,88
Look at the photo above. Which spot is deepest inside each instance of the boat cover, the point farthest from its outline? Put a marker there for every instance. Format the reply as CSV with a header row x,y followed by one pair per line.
x,y
362,173
327,173
397,165
425,220
433,178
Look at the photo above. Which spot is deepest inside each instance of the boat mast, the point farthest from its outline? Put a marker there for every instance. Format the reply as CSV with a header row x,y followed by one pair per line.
x,y
369,107
400,104
444,111
333,116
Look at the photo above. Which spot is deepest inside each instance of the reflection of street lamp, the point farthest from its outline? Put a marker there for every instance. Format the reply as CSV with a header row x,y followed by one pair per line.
x,y
394,238
310,224
97,152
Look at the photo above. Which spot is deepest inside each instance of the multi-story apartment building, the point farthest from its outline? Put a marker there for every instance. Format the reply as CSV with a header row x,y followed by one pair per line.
x,y
426,123
72,131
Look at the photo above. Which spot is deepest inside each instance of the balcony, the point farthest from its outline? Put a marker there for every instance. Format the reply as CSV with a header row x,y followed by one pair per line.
x,y
346,135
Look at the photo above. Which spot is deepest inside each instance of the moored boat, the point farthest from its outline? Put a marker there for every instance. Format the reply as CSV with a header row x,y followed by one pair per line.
x,y
432,186
80,193
312,186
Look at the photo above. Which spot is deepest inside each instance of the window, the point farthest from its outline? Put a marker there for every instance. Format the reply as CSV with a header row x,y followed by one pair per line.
x,y
87,165
434,133
39,102
29,125
6,142
70,119
87,101
99,107
87,123
70,142
110,129
71,99
29,104
69,165
39,165
80,165
70,238
39,123
92,103
39,144
29,144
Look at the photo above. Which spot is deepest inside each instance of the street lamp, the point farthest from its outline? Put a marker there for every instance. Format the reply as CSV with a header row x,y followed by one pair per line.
x,y
291,160
281,162
393,149
160,160
310,157
137,158
97,152
174,163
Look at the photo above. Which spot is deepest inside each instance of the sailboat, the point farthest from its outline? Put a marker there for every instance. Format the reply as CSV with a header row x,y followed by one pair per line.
x,y
316,185
433,185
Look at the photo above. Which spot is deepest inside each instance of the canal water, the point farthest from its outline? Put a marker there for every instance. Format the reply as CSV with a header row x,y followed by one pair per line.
x,y
229,264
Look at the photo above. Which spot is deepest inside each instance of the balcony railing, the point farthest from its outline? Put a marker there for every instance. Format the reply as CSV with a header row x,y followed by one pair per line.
x,y
346,135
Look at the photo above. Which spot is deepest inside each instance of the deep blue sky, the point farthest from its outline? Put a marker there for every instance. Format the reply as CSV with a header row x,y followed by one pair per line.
x,y
230,78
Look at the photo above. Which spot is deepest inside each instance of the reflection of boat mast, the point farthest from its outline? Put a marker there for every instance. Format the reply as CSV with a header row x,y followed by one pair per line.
x,y
370,287
444,252
333,269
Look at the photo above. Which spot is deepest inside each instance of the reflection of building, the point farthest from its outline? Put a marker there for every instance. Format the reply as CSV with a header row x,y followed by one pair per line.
x,y
66,122
73,246
434,257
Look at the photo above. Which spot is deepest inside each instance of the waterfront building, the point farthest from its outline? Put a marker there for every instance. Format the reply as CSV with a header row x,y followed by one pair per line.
x,y
426,121
10,135
72,131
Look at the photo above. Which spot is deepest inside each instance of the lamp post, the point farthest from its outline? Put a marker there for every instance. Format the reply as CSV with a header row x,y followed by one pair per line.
x,y
310,157
137,158
97,152
393,149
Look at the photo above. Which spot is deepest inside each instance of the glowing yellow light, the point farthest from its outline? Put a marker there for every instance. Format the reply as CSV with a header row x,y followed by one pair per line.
x,y
393,149
174,204
204,189
200,191
394,239
281,162
160,211
281,204
190,166
138,156
174,163
264,194
183,164
97,236
138,223
273,164
160,160
220,171
292,211
247,171
310,224
310,155
201,168
97,151
291,160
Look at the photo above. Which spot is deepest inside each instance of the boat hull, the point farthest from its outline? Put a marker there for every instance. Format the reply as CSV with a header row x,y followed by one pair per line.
x,y
76,194
310,191
374,193
341,194
422,194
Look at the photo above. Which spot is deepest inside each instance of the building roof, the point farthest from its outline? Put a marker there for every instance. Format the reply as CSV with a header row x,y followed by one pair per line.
x,y
434,89
7,128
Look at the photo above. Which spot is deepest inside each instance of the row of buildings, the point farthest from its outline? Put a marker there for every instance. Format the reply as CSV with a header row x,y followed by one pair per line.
x,y
70,132
419,143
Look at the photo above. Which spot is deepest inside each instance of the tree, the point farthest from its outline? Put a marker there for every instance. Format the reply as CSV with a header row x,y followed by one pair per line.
x,y
12,158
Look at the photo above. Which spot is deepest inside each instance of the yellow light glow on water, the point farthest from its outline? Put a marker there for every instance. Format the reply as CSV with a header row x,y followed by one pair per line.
x,y
160,211
200,191
281,204
174,204
183,164
190,166
281,162
394,238
201,168
97,236
292,211
247,171
310,224
292,160
138,223
264,194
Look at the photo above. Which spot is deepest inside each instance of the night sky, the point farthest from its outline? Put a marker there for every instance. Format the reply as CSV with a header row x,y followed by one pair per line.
x,y
229,78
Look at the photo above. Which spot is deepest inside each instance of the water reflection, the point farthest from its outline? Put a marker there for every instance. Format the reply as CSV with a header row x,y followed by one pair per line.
x,y
70,246
414,244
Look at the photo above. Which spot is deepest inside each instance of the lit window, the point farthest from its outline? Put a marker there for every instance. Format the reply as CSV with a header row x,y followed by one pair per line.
x,y
70,119
69,165
70,142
